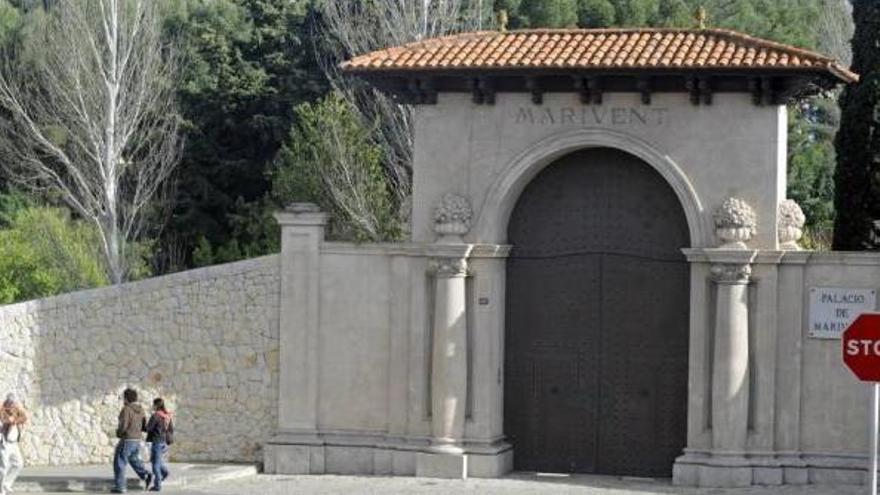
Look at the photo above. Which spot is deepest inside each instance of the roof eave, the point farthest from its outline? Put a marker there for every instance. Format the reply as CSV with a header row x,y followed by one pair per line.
x,y
840,74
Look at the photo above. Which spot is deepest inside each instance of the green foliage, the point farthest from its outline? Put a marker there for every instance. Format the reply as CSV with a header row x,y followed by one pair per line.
x,y
44,252
674,13
203,253
11,203
787,21
249,62
857,177
10,20
635,12
138,255
550,13
254,233
811,156
29,5
18,20
331,160
596,13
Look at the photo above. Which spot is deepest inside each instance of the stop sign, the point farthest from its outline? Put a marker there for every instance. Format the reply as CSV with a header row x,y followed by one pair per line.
x,y
861,347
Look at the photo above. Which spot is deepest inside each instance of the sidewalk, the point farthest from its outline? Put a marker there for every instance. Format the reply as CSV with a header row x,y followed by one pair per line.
x,y
201,479
100,478
514,484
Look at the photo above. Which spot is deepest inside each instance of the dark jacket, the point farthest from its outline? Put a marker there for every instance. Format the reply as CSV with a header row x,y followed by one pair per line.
x,y
132,422
160,428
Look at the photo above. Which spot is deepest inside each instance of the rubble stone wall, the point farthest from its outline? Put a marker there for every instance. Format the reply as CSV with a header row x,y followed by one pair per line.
x,y
206,340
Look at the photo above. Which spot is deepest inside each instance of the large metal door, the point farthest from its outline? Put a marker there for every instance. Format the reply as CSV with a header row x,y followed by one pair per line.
x,y
596,350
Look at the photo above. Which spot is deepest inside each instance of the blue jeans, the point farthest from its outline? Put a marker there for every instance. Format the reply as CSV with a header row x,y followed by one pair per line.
x,y
127,452
160,472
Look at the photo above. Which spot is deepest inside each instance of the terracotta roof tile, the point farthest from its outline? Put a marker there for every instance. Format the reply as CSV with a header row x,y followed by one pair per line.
x,y
597,49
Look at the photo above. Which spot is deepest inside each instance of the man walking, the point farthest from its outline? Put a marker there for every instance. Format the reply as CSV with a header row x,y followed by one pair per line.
x,y
132,424
12,419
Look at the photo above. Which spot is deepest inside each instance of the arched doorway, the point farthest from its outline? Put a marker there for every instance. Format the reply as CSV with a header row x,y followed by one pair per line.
x,y
596,344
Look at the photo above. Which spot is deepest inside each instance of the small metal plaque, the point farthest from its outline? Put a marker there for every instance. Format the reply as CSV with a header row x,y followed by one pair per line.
x,y
483,301
832,309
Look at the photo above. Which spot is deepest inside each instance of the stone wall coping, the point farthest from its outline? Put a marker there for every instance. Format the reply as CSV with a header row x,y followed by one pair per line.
x,y
423,250
301,218
850,258
170,281
727,256
857,258
853,258
229,269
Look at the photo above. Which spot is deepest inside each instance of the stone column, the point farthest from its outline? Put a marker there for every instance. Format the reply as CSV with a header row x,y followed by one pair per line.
x,y
730,371
735,223
445,457
296,448
719,459
449,356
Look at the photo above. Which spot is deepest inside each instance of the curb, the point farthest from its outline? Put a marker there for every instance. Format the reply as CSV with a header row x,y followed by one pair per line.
x,y
181,476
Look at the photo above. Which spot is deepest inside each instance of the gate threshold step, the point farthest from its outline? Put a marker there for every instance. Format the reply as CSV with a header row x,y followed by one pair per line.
x,y
633,479
638,479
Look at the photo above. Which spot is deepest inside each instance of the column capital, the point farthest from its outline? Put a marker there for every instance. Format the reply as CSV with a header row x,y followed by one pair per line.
x,y
731,273
449,267
730,266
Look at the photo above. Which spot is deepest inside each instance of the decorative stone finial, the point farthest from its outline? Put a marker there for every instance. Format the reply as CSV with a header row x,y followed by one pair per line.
x,y
502,20
735,223
452,217
790,225
702,17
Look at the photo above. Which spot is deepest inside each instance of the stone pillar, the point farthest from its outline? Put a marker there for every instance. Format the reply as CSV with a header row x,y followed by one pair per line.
x,y
735,224
730,371
445,457
449,356
718,458
296,448
489,455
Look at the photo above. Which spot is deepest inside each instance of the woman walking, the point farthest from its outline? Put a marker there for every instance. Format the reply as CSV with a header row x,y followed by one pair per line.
x,y
160,432
12,420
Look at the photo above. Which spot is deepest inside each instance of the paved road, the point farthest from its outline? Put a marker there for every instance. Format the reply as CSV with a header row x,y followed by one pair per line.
x,y
512,485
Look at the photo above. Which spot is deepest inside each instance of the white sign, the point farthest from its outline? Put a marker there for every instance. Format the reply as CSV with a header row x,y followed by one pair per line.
x,y
833,309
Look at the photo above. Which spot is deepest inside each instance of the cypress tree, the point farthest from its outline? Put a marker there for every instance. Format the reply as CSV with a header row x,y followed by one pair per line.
x,y
857,178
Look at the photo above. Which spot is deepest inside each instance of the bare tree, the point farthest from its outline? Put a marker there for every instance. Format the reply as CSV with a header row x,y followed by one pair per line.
x,y
91,115
355,27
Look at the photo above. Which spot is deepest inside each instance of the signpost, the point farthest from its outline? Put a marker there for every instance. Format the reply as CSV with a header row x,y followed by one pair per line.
x,y
861,353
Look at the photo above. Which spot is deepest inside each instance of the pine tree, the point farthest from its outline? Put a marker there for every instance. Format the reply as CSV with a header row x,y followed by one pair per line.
x,y
635,12
857,178
249,63
596,13
674,13
550,13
